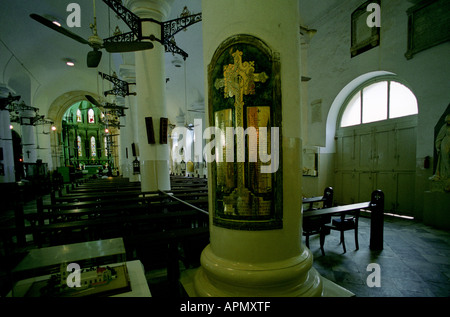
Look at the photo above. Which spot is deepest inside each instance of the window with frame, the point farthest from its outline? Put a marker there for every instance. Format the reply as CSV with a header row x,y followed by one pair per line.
x,y
79,115
93,147
80,151
91,116
382,100
105,142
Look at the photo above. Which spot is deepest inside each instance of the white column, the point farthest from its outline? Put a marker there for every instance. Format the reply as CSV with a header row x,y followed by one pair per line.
x,y
28,138
128,134
151,101
270,262
6,145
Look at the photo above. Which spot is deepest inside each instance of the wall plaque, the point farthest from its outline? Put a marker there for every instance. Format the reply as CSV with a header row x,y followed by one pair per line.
x,y
428,25
245,104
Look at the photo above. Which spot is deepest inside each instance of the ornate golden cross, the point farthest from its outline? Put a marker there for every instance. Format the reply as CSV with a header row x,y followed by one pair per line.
x,y
239,80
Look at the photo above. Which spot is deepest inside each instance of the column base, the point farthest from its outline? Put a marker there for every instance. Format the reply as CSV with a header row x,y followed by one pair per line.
x,y
292,278
329,288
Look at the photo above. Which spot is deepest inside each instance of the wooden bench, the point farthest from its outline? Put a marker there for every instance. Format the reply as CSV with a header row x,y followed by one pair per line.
x,y
376,204
85,210
313,225
174,230
326,199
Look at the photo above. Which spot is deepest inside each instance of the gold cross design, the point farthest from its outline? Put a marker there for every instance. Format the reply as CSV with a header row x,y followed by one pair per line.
x,y
239,80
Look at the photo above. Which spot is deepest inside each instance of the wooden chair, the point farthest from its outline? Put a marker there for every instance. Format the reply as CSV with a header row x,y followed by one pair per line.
x,y
346,221
313,225
349,221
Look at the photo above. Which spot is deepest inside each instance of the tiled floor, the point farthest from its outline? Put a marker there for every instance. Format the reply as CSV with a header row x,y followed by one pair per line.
x,y
414,262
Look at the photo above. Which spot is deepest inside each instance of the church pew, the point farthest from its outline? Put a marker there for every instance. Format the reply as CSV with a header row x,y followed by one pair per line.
x,y
115,210
95,209
111,226
375,205
85,210
70,198
178,230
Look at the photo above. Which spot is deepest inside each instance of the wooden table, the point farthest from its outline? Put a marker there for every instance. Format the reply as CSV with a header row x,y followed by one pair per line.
x,y
42,261
312,200
337,210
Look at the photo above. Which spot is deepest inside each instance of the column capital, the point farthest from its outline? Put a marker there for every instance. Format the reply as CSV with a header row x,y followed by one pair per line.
x,y
5,90
156,9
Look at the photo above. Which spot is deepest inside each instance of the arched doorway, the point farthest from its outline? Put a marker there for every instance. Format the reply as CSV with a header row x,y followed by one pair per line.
x,y
99,145
376,144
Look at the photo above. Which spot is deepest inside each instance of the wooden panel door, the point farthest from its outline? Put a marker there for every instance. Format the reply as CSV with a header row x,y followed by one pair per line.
x,y
378,156
405,193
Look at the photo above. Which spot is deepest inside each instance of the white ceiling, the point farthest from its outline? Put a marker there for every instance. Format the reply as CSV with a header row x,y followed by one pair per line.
x,y
31,55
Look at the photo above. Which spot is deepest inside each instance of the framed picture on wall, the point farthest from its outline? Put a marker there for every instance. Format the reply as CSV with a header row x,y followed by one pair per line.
x,y
428,26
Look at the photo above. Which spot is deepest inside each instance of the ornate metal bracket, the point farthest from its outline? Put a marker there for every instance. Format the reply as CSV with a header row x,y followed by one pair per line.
x,y
168,28
172,27
120,88
10,105
130,19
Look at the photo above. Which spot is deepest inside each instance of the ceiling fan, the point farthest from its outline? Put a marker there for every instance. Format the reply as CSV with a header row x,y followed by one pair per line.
x,y
111,44
113,111
104,105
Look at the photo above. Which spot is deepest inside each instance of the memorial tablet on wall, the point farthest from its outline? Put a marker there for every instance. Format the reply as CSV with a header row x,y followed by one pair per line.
x,y
245,105
428,25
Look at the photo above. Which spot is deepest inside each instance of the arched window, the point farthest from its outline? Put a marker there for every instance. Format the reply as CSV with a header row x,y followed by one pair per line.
x,y
376,145
378,101
93,147
79,115
91,118
80,152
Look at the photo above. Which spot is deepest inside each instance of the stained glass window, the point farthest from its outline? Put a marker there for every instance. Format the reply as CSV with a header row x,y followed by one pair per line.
x,y
106,146
93,147
80,152
91,118
79,115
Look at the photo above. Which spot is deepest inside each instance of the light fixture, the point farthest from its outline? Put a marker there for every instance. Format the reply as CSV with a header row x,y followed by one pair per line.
x,y
11,127
55,20
106,130
69,62
53,128
177,62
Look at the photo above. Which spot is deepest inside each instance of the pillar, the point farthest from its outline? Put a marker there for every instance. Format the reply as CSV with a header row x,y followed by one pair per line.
x,y
247,260
151,101
28,138
6,144
129,133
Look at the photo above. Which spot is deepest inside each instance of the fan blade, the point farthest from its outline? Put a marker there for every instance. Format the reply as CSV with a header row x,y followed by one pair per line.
x,y
93,100
59,29
124,47
93,58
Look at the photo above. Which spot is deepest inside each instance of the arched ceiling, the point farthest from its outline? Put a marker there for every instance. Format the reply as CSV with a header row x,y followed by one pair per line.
x,y
32,56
